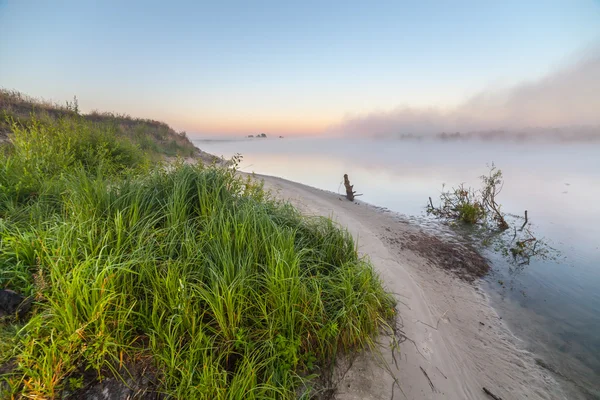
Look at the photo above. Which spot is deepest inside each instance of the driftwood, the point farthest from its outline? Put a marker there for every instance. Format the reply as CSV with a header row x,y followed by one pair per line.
x,y
349,187
526,220
350,193
428,378
492,395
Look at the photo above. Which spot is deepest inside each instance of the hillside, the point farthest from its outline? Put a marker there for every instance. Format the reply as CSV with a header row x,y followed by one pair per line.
x,y
153,136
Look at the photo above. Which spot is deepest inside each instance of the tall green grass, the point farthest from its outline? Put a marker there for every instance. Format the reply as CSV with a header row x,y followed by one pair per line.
x,y
227,293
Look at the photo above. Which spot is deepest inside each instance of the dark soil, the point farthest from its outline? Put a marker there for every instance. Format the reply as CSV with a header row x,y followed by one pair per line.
x,y
138,381
12,303
459,258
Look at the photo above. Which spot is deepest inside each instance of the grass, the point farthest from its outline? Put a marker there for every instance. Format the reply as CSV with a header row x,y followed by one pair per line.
x,y
154,137
224,292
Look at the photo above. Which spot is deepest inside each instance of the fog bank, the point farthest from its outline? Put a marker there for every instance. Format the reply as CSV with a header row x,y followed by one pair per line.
x,y
568,98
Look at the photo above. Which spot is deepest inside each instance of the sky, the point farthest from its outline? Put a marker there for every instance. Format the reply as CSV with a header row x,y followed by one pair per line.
x,y
237,68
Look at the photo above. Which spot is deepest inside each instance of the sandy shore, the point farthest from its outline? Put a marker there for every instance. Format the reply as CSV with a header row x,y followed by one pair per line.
x,y
457,345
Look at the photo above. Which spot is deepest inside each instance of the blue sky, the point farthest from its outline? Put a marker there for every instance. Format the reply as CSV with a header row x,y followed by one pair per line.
x,y
282,67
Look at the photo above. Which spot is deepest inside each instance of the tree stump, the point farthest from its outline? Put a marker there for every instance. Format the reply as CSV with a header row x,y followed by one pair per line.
x,y
349,187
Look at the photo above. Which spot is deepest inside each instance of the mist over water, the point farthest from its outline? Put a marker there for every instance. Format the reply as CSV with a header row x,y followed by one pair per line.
x,y
565,99
553,305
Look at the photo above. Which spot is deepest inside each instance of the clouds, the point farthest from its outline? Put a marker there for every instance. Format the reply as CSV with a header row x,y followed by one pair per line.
x,y
568,96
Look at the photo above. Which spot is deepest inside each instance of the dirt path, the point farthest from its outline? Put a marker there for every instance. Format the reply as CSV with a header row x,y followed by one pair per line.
x,y
458,345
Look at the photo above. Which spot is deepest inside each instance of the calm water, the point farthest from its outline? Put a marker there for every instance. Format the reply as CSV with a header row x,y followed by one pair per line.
x,y
553,305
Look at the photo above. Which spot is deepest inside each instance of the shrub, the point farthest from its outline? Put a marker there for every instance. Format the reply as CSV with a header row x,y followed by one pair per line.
x,y
472,206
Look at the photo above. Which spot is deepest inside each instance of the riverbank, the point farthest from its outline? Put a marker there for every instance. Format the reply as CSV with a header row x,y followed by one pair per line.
x,y
125,275
455,343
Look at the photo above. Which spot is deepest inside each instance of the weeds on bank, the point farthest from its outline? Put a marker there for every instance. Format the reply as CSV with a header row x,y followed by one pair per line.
x,y
479,207
226,292
472,206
